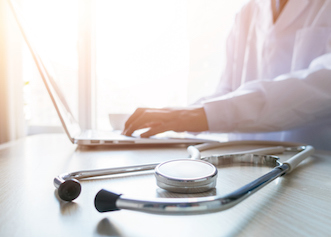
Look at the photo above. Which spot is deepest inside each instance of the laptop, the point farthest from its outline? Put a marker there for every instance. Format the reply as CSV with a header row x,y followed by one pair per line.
x,y
70,123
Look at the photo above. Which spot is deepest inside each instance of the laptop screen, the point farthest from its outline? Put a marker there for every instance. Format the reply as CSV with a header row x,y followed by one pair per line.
x,y
44,67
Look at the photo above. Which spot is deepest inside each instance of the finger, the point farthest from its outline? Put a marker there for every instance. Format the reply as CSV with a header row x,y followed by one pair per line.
x,y
133,117
159,128
135,127
139,112
155,130
146,120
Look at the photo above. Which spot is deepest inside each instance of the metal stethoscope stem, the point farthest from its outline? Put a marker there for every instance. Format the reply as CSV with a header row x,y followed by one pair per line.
x,y
69,187
107,201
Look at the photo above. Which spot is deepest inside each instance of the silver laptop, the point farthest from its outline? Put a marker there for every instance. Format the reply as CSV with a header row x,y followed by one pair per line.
x,y
70,124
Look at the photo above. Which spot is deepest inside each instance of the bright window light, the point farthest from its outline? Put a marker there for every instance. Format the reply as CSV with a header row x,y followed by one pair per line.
x,y
53,25
158,53
149,53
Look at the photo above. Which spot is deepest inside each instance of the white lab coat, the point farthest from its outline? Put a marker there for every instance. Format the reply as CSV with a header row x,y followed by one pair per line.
x,y
277,76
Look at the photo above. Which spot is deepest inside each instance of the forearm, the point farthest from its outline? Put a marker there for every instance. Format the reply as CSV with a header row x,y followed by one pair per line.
x,y
289,101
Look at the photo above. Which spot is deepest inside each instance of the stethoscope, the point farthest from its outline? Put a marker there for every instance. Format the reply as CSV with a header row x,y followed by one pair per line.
x,y
192,175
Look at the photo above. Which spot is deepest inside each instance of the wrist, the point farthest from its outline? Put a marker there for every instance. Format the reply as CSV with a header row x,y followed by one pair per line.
x,y
193,120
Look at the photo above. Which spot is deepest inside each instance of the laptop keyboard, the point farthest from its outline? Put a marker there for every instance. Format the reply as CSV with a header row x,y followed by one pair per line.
x,y
96,134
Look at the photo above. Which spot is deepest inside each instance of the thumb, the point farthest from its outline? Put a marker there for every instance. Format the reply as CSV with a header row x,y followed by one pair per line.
x,y
154,130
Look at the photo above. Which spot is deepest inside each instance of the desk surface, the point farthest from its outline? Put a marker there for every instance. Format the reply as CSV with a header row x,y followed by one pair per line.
x,y
298,204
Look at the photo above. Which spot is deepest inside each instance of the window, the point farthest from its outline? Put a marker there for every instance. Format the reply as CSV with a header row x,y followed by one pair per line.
x,y
53,25
114,56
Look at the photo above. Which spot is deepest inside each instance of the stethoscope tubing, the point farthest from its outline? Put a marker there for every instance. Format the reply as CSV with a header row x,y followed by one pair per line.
x,y
69,187
108,201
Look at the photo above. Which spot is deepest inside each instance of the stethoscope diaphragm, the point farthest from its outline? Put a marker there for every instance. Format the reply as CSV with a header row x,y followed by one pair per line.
x,y
186,176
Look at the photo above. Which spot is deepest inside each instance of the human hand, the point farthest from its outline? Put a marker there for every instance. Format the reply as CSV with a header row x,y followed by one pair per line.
x,y
166,119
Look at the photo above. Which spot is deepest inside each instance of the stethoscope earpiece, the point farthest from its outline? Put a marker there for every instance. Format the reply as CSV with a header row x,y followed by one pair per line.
x,y
198,174
69,189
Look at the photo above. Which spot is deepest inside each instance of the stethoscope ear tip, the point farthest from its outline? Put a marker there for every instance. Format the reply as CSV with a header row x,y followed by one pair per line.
x,y
106,201
69,190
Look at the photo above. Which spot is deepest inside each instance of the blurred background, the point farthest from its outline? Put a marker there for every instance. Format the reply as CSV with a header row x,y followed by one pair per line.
x,y
109,57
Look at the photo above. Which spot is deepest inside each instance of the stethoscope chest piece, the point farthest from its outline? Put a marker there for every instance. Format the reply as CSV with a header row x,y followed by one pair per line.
x,y
186,176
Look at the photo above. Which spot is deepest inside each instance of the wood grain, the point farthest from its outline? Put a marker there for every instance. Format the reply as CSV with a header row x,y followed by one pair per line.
x,y
298,204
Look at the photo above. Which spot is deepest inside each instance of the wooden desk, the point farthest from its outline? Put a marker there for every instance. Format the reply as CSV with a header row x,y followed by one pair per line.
x,y
298,204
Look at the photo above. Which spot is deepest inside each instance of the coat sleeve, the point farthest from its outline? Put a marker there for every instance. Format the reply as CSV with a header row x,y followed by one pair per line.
x,y
288,101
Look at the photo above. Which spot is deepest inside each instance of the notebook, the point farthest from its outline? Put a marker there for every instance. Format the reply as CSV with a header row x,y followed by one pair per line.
x,y
70,123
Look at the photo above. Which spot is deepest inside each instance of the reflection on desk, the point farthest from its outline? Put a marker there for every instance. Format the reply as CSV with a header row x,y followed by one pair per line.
x,y
297,204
